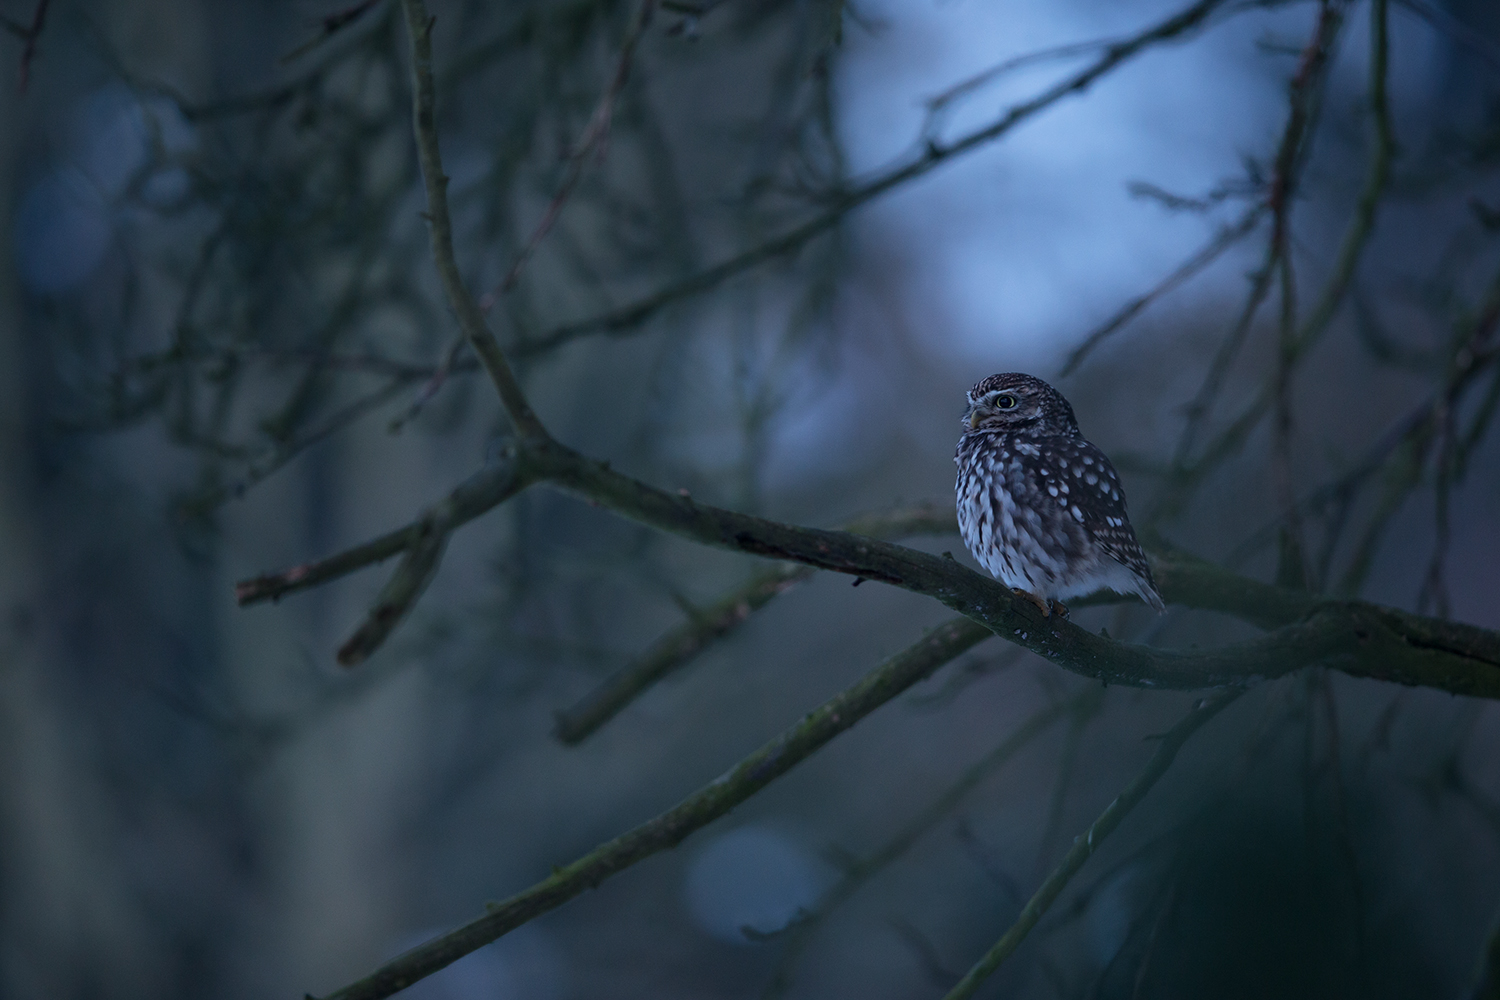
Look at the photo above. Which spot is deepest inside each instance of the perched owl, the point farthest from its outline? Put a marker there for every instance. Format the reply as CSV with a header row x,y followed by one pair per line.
x,y
1038,506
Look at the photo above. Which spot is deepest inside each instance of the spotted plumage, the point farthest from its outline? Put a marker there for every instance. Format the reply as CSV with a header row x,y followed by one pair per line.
x,y
1039,506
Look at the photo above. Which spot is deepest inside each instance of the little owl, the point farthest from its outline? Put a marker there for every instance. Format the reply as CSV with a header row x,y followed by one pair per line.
x,y
1040,508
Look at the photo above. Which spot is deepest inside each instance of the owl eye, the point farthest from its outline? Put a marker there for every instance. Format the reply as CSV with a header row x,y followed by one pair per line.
x,y
1005,401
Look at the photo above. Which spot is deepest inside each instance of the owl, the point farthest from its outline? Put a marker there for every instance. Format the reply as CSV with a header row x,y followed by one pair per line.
x,y
1039,507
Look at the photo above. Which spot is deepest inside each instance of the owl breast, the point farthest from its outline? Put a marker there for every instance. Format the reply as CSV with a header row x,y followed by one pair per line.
x,y
1010,517
1047,515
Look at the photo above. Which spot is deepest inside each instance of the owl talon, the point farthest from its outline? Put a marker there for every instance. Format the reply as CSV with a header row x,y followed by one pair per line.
x,y
1034,599
1059,608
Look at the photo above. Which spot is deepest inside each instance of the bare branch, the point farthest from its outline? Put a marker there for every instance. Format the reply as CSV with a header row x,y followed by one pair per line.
x,y
669,829
478,494
412,576
1088,842
1225,238
29,35
681,644
595,139
862,870
329,26
932,154
470,316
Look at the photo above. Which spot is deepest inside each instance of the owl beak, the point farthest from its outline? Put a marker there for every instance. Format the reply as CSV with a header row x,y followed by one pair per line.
x,y
972,417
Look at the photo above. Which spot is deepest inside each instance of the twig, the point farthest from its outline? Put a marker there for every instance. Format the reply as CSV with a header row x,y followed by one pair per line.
x,y
1305,85
1196,411
397,597
470,316
673,651
1356,238
28,34
680,645
931,155
746,778
479,493
595,138
1376,179
939,102
283,452
1087,843
933,968
1067,762
862,870
432,386
1291,562
1225,238
329,26
1433,594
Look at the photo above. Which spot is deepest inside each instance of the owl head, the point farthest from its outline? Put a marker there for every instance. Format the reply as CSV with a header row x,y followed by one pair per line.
x,y
1015,402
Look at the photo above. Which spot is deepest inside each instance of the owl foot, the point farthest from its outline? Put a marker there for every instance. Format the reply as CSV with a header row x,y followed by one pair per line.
x,y
1059,608
1034,599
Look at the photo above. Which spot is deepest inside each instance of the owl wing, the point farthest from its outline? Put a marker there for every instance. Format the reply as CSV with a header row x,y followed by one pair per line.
x,y
1097,501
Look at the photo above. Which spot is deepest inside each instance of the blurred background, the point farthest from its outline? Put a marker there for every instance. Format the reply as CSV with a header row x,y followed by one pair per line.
x,y
222,350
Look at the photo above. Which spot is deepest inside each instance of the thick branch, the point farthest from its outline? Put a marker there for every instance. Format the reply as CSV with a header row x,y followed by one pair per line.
x,y
1361,639
1088,842
695,812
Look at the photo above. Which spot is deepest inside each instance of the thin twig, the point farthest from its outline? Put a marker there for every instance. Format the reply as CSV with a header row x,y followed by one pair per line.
x,y
1291,563
329,26
594,140
1225,238
470,317
1356,238
932,154
680,645
29,34
1305,85
476,495
1088,842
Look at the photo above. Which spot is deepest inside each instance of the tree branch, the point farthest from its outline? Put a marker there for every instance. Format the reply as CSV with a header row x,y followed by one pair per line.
x,y
470,316
478,494
1359,638
863,869
1086,844
1225,238
933,153
680,645
696,811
